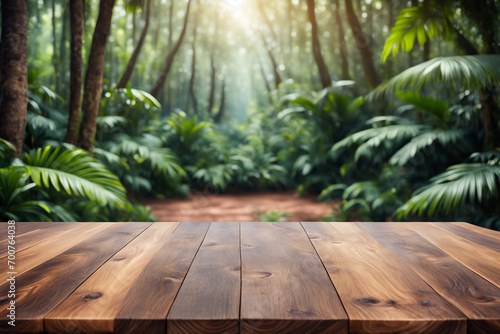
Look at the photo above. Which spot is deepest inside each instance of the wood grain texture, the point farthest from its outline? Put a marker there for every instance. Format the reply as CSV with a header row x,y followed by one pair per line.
x,y
25,227
477,298
479,229
379,292
209,299
148,301
285,288
40,289
33,234
52,245
489,241
93,307
479,259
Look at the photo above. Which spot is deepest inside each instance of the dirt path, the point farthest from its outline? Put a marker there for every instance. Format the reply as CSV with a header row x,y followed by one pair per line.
x,y
239,207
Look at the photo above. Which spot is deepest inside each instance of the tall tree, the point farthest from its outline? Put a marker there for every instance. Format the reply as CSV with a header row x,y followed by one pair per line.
x,y
170,43
93,78
171,55
323,70
269,49
192,79
343,46
274,64
363,45
211,95
76,8
55,56
14,73
63,62
222,107
133,59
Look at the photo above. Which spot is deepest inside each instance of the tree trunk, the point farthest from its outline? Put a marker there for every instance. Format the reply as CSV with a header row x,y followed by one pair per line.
x,y
63,83
264,78
76,8
192,79
220,114
490,119
134,27
133,59
277,77
55,58
363,46
170,43
211,95
326,81
93,78
171,55
14,73
343,46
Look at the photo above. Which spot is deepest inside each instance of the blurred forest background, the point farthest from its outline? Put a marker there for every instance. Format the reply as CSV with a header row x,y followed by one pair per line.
x,y
389,106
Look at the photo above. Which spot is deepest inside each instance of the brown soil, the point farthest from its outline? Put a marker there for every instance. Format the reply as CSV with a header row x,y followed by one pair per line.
x,y
239,207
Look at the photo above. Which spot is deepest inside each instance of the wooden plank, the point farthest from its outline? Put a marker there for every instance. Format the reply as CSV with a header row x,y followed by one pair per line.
x,y
24,227
53,245
477,298
477,258
489,241
93,307
146,305
33,234
209,299
480,230
42,288
285,288
380,293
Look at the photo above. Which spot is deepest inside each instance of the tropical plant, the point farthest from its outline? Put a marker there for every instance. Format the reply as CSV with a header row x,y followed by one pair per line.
x,y
51,183
404,142
469,190
272,215
470,72
330,117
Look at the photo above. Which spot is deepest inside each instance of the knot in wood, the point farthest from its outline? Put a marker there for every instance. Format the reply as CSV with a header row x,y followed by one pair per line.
x,y
367,301
92,296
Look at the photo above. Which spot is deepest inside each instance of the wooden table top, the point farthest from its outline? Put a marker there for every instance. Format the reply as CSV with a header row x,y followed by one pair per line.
x,y
285,277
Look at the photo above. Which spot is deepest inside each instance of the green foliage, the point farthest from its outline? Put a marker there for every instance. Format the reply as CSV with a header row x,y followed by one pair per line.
x,y
75,173
14,186
375,199
413,23
63,184
458,72
272,215
5,149
328,118
460,186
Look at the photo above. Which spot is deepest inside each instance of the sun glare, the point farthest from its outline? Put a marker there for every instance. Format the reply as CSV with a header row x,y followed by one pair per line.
x,y
234,6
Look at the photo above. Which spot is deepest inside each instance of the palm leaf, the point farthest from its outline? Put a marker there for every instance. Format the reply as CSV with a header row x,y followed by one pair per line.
x,y
436,107
448,138
475,184
76,173
370,140
413,23
459,72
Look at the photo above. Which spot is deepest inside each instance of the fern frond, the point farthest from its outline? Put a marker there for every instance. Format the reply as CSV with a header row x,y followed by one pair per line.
x,y
447,138
460,72
462,184
75,172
